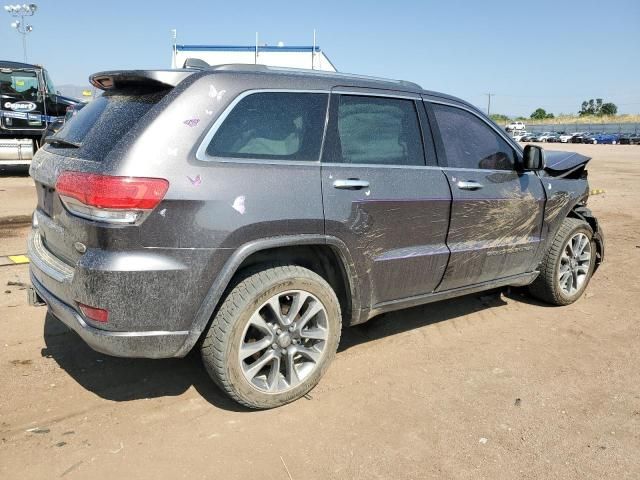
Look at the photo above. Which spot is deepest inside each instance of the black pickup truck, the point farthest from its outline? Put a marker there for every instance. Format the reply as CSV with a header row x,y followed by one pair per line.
x,y
29,104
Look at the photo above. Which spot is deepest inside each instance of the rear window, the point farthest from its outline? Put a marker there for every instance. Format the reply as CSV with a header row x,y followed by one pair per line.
x,y
273,126
98,126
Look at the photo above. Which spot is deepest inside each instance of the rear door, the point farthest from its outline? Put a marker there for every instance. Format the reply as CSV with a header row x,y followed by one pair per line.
x,y
381,197
496,216
21,99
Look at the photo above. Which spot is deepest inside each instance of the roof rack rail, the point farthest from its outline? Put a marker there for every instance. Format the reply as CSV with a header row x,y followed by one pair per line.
x,y
247,67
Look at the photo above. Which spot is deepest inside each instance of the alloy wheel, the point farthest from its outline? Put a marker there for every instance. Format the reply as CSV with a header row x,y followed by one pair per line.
x,y
283,341
575,264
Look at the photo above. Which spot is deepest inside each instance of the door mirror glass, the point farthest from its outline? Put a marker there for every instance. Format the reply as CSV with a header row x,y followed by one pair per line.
x,y
533,158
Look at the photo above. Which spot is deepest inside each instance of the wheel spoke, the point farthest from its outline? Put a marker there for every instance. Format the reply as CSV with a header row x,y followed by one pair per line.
x,y
296,304
309,353
574,280
313,309
314,333
564,277
291,375
582,269
258,322
569,251
248,349
259,364
276,308
273,380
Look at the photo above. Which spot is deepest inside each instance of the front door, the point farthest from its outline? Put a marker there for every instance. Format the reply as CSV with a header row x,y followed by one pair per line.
x,y
380,198
496,216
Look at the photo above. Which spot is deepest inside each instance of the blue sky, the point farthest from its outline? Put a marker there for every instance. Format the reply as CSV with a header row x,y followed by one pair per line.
x,y
550,54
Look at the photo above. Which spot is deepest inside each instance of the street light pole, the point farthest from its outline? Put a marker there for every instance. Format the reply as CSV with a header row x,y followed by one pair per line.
x,y
489,95
21,11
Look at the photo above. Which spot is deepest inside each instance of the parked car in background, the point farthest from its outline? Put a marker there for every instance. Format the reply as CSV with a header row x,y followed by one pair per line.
x,y
519,135
603,138
515,126
629,139
530,137
579,137
543,136
553,138
243,211
566,137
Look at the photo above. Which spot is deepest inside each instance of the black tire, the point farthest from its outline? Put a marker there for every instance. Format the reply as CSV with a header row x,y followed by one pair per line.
x,y
220,348
546,286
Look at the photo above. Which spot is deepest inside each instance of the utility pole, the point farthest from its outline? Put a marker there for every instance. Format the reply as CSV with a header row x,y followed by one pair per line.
x,y
22,11
489,95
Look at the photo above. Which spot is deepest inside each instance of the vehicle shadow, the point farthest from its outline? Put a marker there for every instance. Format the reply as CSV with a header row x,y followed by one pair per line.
x,y
400,321
126,379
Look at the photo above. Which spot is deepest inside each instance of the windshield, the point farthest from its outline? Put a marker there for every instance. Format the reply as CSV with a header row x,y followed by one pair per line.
x,y
21,83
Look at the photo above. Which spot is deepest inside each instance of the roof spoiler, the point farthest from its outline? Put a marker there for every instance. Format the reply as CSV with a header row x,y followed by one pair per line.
x,y
196,63
146,79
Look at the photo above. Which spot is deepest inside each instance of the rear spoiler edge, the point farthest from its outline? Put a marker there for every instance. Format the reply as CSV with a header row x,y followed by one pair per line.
x,y
118,79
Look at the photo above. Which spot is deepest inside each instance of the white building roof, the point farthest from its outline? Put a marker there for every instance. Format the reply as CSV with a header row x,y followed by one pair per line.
x,y
308,57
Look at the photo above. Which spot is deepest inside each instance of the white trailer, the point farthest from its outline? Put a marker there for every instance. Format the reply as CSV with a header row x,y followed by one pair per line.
x,y
309,57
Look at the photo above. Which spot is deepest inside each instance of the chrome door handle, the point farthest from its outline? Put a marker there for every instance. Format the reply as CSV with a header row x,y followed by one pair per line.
x,y
350,184
469,185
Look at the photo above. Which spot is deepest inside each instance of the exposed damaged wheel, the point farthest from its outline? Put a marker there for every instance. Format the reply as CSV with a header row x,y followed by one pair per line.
x,y
568,265
273,337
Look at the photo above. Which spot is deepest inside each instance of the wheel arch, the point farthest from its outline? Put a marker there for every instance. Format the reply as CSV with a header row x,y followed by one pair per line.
x,y
315,252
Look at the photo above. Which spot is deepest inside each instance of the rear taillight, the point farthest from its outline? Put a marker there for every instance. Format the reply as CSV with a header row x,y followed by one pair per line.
x,y
96,314
110,199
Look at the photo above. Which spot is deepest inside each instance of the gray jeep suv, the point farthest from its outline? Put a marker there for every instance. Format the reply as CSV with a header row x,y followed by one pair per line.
x,y
253,211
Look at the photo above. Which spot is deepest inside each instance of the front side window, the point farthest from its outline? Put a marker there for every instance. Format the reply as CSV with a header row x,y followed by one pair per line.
x,y
273,126
374,130
51,88
471,143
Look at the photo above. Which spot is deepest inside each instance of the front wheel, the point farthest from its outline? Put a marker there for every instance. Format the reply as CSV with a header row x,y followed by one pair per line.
x,y
567,267
273,337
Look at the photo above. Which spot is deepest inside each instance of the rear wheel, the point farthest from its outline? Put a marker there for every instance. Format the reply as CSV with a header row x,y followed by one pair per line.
x,y
568,265
273,337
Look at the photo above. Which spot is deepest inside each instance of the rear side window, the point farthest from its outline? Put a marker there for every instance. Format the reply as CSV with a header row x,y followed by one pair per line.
x,y
471,143
99,126
273,126
374,130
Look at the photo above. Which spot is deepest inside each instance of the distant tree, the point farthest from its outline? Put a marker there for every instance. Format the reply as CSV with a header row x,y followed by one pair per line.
x,y
597,108
499,118
541,114
609,109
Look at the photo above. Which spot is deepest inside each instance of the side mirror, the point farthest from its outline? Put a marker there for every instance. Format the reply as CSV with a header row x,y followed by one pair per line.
x,y
533,158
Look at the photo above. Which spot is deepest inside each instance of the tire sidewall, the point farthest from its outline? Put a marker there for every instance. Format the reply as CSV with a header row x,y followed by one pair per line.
x,y
565,298
242,386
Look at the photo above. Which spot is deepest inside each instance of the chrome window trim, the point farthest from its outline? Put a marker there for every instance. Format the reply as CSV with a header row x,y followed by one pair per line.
x,y
201,152
375,93
380,165
515,146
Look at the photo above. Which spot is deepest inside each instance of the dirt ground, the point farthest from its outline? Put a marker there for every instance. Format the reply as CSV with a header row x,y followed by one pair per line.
x,y
493,386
